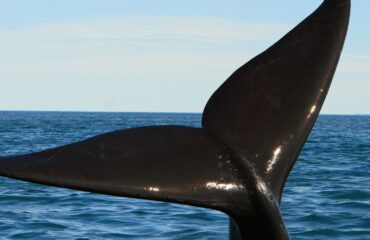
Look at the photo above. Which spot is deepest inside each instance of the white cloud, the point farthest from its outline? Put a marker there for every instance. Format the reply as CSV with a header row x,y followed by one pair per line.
x,y
143,64
103,65
354,64
205,29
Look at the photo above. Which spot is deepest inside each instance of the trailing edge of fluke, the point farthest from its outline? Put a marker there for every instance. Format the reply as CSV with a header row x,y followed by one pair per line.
x,y
253,129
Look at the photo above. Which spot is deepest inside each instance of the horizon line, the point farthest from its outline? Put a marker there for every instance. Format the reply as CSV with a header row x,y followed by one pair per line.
x,y
166,112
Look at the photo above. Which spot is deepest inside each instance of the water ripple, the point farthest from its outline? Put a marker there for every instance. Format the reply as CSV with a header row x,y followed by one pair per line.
x,y
327,195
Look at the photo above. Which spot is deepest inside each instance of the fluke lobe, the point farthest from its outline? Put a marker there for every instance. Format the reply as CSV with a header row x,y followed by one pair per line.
x,y
253,129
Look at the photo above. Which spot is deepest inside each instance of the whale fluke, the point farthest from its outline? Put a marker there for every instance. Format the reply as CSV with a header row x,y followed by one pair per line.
x,y
169,163
266,109
253,128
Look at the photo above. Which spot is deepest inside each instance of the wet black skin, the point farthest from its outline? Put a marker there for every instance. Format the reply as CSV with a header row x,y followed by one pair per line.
x,y
253,129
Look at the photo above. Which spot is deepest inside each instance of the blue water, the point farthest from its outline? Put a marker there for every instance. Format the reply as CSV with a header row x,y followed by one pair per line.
x,y
327,195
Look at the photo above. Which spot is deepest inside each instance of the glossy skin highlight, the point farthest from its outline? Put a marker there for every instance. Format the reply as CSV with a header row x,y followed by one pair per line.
x,y
253,128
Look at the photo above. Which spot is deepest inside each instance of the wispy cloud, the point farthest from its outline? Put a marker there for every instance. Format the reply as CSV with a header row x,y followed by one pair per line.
x,y
355,64
142,63
109,61
205,29
80,46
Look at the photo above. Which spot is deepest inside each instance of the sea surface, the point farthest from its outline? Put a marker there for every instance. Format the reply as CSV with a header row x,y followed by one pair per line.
x,y
327,195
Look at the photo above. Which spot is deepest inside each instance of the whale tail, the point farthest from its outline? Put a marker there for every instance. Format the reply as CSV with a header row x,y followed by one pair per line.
x,y
253,128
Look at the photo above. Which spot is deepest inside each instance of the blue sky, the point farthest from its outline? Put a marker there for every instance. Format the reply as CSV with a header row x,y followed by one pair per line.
x,y
155,55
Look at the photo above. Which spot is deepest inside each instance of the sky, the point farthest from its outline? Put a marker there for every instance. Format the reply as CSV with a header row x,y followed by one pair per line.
x,y
155,55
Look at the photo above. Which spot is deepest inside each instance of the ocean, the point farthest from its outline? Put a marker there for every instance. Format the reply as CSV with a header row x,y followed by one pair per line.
x,y
327,195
